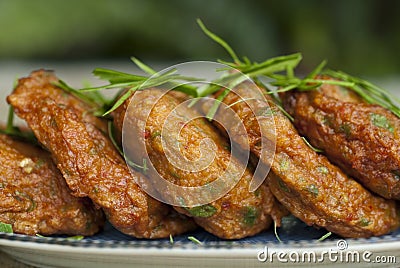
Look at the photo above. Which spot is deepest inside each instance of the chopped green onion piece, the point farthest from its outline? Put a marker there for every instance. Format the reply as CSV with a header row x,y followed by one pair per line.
x,y
75,238
195,240
323,169
381,121
283,186
364,222
203,211
325,236
276,232
6,228
313,189
346,129
284,165
70,238
250,216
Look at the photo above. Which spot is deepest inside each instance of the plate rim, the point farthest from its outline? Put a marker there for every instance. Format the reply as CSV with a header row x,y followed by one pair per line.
x,y
212,249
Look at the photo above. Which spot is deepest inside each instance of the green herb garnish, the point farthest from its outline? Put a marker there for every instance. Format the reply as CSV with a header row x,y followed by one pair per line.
x,y
39,163
75,238
269,68
21,195
155,134
286,82
121,80
111,135
381,121
70,238
346,129
312,189
94,99
195,240
290,81
203,211
328,121
14,131
6,228
283,186
219,41
171,239
145,68
250,216
325,236
276,232
188,89
364,222
323,169
284,165
280,107
312,147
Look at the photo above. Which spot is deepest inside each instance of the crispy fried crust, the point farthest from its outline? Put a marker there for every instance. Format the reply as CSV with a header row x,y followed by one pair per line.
x,y
35,198
311,188
361,138
87,159
239,213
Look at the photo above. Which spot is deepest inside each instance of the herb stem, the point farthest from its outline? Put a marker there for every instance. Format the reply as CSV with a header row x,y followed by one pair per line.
x,y
325,236
276,232
217,39
312,147
195,240
144,168
10,120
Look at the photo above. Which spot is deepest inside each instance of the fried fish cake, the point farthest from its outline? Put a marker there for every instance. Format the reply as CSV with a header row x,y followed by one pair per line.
x,y
307,184
88,160
361,138
237,214
35,198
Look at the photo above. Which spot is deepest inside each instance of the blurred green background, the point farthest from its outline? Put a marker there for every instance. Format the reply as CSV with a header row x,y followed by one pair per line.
x,y
358,36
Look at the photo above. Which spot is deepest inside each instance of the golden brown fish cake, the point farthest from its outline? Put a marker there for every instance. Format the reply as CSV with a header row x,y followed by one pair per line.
x,y
311,188
88,160
237,214
361,138
35,198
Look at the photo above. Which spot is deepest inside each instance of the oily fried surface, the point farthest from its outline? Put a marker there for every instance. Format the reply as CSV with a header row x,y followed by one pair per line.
x,y
361,138
310,187
87,159
239,213
35,198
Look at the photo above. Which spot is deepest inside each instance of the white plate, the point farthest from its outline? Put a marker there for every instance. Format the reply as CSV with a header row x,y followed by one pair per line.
x,y
110,248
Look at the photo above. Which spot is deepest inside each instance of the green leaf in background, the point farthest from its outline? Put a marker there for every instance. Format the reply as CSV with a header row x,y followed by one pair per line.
x,y
362,36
